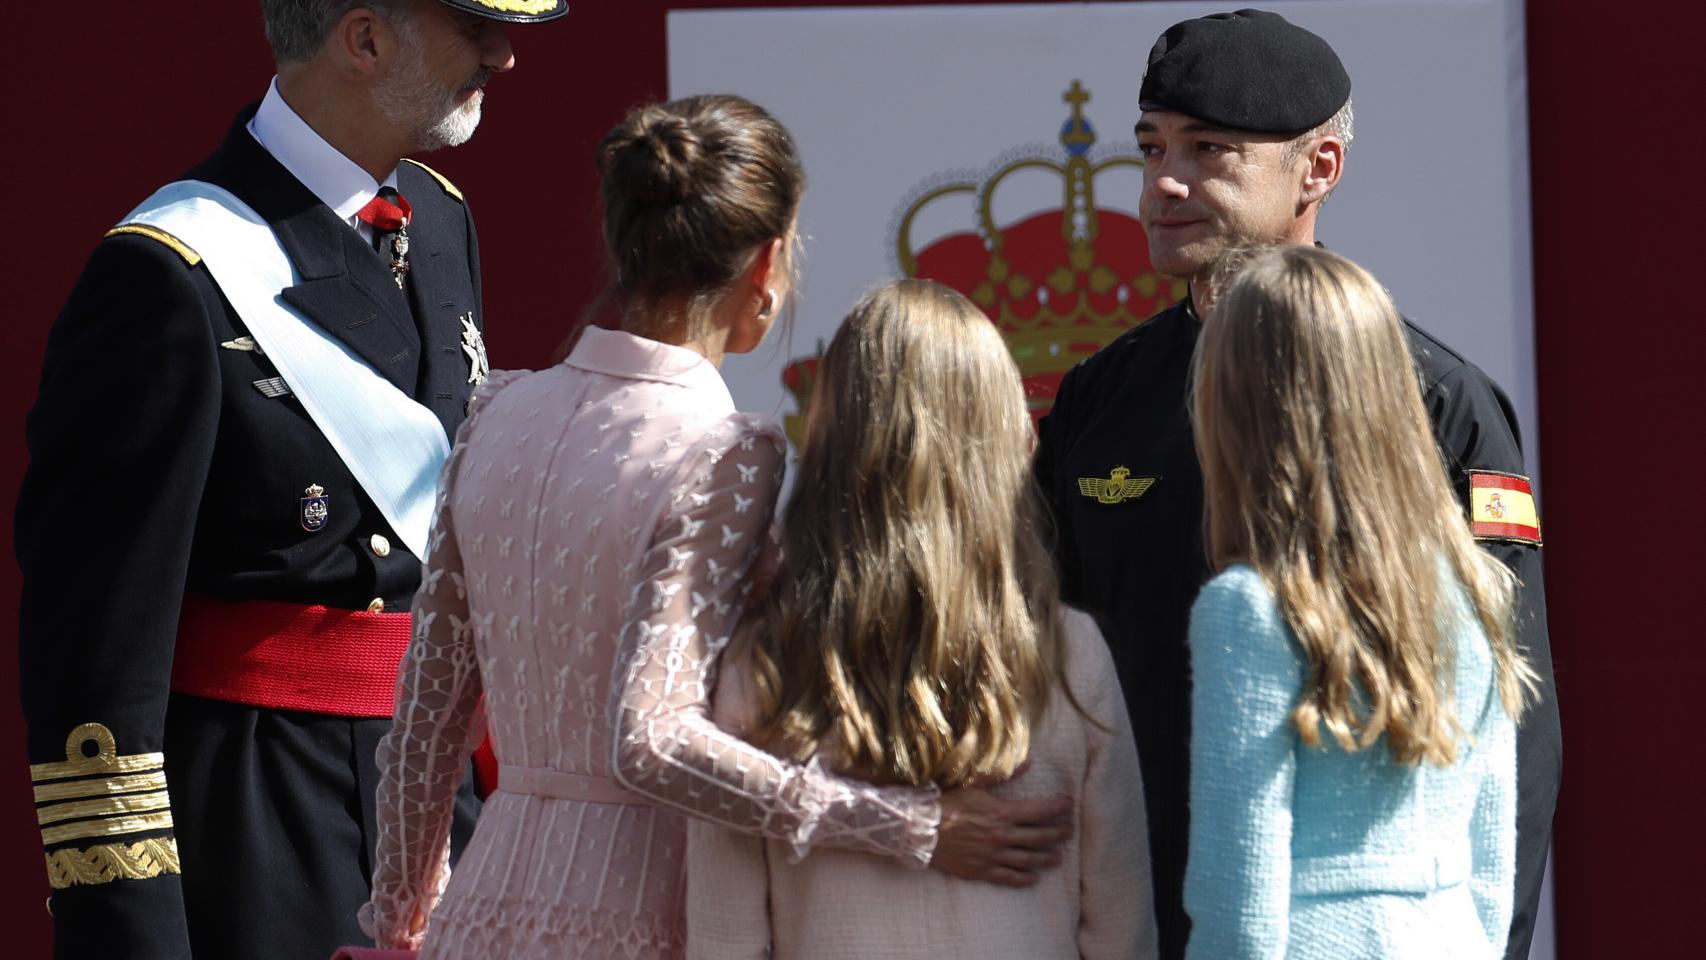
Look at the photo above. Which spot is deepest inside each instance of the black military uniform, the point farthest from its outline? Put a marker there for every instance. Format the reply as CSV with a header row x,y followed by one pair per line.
x,y
167,460
1137,561
1137,564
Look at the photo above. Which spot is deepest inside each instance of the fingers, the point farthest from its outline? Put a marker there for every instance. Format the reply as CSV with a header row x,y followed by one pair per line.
x,y
1007,877
1044,810
1027,861
1005,842
1045,837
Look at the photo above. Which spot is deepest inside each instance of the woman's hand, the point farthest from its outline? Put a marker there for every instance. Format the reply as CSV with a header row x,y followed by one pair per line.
x,y
1005,842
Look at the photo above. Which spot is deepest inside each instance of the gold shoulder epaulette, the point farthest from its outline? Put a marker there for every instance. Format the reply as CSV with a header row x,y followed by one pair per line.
x,y
179,247
104,796
443,181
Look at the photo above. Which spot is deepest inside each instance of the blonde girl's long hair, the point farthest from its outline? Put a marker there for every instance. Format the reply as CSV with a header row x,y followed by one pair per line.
x,y
1321,473
913,633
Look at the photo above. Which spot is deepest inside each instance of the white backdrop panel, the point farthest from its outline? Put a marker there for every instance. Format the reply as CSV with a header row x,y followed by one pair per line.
x,y
1435,198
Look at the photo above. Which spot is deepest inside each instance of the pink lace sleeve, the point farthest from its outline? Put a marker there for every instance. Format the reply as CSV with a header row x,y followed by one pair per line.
x,y
691,589
436,726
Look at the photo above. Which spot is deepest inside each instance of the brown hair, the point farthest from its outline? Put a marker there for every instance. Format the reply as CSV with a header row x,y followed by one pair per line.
x,y
913,631
1321,472
692,189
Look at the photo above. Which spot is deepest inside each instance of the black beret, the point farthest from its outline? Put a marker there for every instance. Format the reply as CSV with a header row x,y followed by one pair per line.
x,y
1250,70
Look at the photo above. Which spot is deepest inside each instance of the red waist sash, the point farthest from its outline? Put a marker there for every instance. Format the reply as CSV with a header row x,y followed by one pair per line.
x,y
290,657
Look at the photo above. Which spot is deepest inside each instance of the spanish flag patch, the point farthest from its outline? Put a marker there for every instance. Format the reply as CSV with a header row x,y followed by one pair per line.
x,y
1501,507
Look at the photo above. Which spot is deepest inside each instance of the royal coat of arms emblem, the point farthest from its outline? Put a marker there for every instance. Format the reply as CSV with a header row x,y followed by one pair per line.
x,y
1060,283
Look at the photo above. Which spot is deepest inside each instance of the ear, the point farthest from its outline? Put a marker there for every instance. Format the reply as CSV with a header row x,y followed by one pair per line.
x,y
361,41
1326,163
768,268
749,321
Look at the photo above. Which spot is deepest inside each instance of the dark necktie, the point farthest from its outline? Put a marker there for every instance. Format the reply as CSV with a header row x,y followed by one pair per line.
x,y
388,214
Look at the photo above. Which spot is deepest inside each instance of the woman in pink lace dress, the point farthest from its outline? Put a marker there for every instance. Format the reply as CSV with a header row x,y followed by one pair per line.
x,y
914,635
594,532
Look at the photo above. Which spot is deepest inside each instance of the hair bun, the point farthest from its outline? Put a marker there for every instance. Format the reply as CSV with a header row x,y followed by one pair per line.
x,y
691,188
658,159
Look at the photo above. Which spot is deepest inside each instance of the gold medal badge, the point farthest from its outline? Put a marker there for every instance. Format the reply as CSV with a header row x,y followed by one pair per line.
x,y
1118,487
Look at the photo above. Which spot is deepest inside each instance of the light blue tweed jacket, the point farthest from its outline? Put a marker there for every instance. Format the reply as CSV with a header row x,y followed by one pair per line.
x,y
1301,852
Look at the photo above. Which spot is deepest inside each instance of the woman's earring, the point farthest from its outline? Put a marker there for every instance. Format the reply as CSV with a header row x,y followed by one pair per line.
x,y
769,305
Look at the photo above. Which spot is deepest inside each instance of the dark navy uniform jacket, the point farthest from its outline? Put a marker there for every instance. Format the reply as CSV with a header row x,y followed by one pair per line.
x,y
1137,566
157,467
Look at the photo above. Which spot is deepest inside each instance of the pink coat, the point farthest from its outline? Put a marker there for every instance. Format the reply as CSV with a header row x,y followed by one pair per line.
x,y
595,526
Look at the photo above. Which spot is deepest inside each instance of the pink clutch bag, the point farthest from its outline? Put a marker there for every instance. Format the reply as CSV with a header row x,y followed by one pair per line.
x,y
372,953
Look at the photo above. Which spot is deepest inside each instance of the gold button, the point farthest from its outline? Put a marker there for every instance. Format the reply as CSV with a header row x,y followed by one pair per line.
x,y
377,606
381,546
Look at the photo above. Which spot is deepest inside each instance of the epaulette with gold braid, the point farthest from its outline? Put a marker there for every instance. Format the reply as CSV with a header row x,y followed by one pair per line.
x,y
179,247
443,181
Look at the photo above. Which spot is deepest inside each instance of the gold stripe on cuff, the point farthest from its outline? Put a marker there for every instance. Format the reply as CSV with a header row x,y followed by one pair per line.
x,y
103,807
71,790
107,862
107,828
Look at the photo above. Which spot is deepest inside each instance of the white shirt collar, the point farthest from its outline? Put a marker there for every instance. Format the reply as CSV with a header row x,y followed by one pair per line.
x,y
335,179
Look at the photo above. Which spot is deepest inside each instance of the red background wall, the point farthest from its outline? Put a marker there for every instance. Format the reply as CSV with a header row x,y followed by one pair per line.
x,y
109,101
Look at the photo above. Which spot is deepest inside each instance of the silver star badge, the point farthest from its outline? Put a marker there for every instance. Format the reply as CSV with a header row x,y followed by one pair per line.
x,y
474,346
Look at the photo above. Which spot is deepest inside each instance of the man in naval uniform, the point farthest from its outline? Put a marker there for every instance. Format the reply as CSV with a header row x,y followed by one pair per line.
x,y
1245,123
242,406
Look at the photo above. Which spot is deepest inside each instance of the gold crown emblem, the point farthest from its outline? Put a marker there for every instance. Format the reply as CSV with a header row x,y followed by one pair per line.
x,y
1060,283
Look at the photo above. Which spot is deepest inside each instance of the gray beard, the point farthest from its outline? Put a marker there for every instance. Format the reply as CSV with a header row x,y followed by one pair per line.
x,y
412,100
454,128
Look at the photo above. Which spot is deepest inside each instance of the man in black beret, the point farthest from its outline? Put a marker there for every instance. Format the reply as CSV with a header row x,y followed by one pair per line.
x,y
1246,123
243,407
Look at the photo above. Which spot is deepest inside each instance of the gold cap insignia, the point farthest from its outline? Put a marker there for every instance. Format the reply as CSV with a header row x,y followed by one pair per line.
x,y
513,11
1120,485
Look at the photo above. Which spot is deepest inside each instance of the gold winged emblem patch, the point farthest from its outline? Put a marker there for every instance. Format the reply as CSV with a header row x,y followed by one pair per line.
x,y
1119,485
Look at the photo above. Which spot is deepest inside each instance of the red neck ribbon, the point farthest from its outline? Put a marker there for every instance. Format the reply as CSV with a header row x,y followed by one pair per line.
x,y
384,215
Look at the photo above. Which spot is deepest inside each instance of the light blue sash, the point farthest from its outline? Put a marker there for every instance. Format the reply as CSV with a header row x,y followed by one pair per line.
x,y
392,445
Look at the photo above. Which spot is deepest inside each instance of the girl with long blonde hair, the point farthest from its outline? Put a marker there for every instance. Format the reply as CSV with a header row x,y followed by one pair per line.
x,y
1355,682
913,635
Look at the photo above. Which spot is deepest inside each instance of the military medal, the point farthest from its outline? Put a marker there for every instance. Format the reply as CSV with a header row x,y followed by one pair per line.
x,y
314,508
474,345
389,214
400,254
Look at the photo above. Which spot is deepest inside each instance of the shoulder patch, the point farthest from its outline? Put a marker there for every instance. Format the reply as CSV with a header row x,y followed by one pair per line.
x,y
1501,507
443,181
179,247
